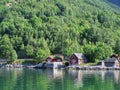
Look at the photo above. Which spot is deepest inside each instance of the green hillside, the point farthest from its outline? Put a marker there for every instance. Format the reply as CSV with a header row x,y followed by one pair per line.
x,y
37,28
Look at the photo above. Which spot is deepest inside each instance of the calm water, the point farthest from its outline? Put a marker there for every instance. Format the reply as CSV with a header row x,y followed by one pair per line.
x,y
58,80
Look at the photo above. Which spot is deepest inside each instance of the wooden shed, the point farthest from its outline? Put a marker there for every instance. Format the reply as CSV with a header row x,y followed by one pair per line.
x,y
77,59
112,62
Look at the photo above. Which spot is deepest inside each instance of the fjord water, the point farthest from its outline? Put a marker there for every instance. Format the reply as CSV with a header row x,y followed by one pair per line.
x,y
26,79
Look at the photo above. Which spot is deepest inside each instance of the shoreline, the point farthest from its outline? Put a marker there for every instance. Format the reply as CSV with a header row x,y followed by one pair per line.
x,y
92,68
72,67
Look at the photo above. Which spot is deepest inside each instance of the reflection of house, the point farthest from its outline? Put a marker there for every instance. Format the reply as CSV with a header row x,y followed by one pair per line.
x,y
111,74
54,73
57,73
77,76
77,58
112,62
116,75
103,74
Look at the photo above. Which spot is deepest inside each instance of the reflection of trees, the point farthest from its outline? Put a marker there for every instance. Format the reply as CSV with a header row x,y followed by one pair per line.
x,y
94,80
99,80
68,83
32,80
8,79
58,80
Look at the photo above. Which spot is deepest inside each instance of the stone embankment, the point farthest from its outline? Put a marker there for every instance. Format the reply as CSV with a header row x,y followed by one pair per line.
x,y
77,67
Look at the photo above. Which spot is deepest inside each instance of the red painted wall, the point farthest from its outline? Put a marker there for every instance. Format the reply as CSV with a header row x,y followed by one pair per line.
x,y
73,57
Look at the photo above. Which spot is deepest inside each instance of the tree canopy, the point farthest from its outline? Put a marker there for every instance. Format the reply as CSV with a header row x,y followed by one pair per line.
x,y
36,28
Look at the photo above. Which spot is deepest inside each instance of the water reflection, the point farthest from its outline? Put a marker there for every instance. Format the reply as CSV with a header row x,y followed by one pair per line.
x,y
78,78
116,75
112,74
79,75
8,78
15,79
54,73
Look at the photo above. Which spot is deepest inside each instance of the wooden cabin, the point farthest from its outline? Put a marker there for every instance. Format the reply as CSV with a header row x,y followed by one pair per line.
x,y
77,59
112,62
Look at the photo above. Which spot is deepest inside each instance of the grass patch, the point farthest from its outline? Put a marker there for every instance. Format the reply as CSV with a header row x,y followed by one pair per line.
x,y
89,64
25,62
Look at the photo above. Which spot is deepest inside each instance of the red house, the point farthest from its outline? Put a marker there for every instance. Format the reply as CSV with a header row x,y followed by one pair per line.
x,y
77,59
58,59
49,59
54,59
54,62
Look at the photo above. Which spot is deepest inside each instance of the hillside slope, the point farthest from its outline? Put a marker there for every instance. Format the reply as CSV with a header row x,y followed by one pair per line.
x,y
37,28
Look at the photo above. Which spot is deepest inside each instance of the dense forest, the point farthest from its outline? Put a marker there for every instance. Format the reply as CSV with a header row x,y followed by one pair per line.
x,y
38,28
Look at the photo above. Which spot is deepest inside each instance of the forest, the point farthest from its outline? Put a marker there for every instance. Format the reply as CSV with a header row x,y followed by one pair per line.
x,y
38,28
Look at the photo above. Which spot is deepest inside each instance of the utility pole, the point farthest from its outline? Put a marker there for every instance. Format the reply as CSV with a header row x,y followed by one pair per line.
x,y
61,45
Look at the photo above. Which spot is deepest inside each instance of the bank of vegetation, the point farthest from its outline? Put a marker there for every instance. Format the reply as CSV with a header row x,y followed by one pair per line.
x,y
38,28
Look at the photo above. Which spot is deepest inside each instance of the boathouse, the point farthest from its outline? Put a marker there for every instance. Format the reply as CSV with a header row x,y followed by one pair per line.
x,y
112,62
77,59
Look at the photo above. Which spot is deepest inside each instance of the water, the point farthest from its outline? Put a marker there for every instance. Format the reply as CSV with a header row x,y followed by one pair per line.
x,y
26,79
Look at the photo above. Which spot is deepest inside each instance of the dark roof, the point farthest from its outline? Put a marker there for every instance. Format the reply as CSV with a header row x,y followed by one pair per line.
x,y
80,56
111,60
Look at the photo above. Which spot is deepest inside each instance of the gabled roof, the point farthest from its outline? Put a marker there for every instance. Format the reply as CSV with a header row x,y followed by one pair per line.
x,y
111,60
80,56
